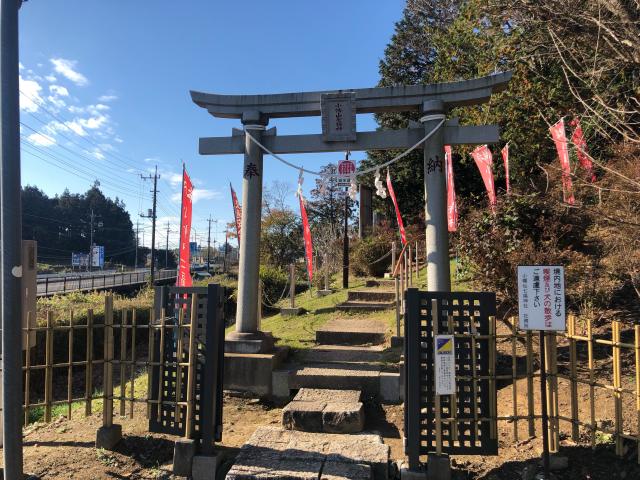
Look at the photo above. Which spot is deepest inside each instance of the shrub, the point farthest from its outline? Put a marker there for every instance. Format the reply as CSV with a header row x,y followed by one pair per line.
x,y
274,283
371,256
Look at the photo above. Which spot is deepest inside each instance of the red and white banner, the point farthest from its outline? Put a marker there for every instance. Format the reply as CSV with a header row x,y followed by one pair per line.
x,y
308,246
581,149
452,203
559,136
237,211
403,236
505,159
184,265
484,160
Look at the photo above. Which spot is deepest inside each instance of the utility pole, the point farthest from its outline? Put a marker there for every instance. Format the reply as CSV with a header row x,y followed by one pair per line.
x,y
135,263
91,240
11,242
166,251
153,177
209,242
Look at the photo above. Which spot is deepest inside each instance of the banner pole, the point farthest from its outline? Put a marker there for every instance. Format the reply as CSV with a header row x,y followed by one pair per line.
x,y
543,401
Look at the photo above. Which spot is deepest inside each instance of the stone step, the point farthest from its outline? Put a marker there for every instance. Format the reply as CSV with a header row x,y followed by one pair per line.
x,y
350,331
274,454
382,296
344,354
359,306
323,410
337,376
380,282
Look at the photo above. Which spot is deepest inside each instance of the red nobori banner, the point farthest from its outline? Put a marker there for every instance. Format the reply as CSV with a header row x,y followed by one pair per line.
x,y
392,194
452,203
505,159
237,211
484,160
184,267
308,245
581,149
559,136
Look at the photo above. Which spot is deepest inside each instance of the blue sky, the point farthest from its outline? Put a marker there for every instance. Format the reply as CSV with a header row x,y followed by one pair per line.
x,y
105,89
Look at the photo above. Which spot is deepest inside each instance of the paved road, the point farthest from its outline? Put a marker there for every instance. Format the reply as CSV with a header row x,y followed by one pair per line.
x,y
56,284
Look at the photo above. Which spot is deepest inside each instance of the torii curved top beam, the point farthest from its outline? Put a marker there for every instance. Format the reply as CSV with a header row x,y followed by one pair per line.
x,y
367,100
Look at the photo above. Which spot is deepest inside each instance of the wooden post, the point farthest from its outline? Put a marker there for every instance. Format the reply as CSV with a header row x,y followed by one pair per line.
x,y
435,320
325,265
617,384
292,287
417,266
188,430
123,360
150,366
530,393
70,367
592,380
573,359
180,353
637,352
107,394
88,373
410,267
27,372
514,374
133,361
161,362
48,380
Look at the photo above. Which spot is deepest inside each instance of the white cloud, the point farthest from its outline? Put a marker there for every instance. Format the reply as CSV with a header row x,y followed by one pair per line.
x,y
198,194
93,123
150,160
175,179
108,98
41,139
66,68
51,78
30,98
20,66
76,128
98,154
59,90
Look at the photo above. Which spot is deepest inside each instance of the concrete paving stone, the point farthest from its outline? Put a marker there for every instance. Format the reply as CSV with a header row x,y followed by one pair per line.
x,y
358,451
339,376
345,471
269,435
344,353
343,417
283,470
305,416
327,395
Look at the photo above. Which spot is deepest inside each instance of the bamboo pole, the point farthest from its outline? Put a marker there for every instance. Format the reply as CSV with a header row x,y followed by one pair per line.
x,y
48,380
192,367
151,334
27,373
88,373
107,394
637,358
592,380
554,387
573,357
161,361
70,367
617,383
124,318
514,373
530,393
179,365
132,370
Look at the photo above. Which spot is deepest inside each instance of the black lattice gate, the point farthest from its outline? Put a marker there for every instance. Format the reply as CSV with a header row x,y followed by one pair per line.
x,y
468,418
171,347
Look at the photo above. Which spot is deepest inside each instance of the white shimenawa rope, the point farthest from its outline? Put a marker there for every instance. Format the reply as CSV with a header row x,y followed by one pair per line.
x,y
440,117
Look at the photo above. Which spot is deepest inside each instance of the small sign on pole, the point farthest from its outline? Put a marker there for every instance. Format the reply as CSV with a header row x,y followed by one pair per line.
x,y
541,306
346,170
445,367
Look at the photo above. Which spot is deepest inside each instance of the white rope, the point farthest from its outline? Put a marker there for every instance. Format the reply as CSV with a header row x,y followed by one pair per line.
x,y
361,172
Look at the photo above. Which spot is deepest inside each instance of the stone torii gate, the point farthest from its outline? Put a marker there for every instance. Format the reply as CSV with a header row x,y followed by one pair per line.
x,y
338,110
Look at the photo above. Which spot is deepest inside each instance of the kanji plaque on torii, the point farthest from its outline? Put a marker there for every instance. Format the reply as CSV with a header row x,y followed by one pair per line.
x,y
338,111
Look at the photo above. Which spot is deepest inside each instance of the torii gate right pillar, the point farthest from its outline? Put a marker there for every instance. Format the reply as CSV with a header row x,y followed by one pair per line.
x,y
435,193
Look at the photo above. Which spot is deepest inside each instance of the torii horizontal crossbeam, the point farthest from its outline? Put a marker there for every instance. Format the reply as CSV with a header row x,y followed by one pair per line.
x,y
367,100
378,140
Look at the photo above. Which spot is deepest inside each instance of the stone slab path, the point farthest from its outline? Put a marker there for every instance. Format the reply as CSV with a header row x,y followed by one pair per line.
x,y
277,454
329,411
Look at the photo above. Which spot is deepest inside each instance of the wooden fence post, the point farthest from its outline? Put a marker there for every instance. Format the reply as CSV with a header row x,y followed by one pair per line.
x,y
514,374
70,367
530,393
617,385
107,394
48,376
27,373
123,358
132,371
573,359
193,324
88,374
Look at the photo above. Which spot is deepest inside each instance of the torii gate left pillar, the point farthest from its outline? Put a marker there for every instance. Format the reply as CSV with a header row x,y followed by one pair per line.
x,y
247,338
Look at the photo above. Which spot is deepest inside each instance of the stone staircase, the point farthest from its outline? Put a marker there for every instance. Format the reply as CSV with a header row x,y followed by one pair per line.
x,y
367,301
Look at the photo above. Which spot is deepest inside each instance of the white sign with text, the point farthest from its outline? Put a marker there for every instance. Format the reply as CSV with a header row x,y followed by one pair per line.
x,y
541,297
445,365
